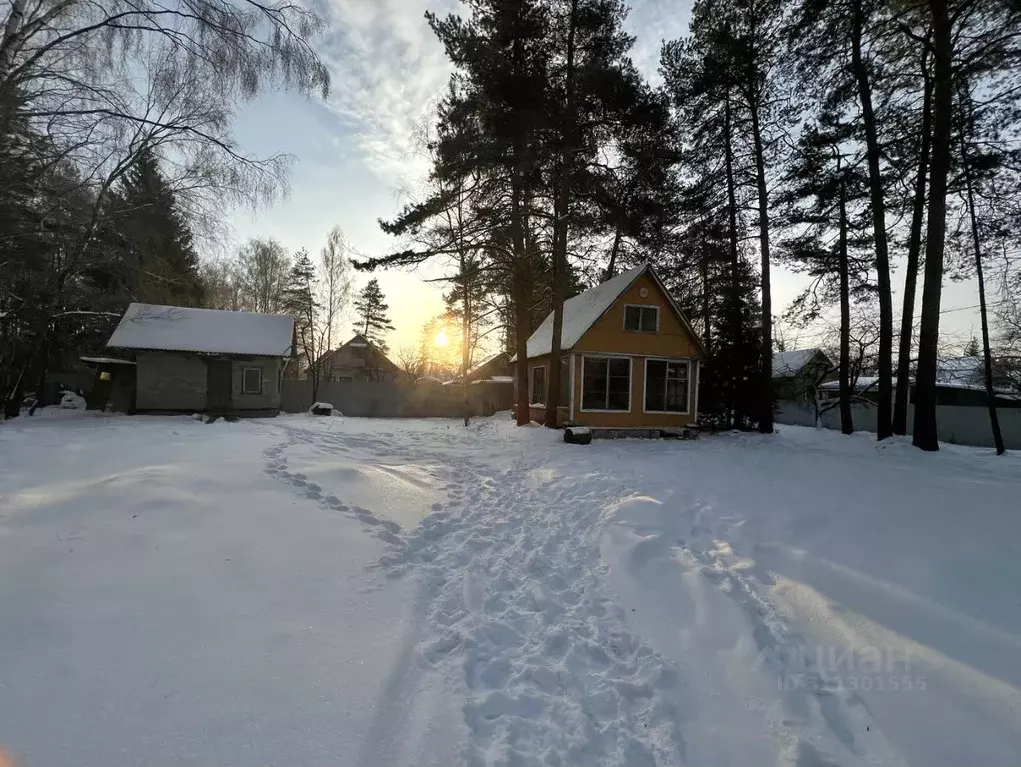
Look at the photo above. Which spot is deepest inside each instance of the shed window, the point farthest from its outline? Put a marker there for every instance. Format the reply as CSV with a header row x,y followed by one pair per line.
x,y
643,318
538,393
251,381
666,386
606,383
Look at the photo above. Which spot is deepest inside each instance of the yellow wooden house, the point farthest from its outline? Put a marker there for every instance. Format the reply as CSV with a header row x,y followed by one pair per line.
x,y
629,358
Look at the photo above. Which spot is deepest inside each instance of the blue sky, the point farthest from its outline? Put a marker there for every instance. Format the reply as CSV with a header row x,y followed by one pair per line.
x,y
355,153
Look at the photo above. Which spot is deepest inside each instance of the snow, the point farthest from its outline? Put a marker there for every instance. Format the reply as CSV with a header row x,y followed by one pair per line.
x,y
175,328
400,592
107,361
580,313
964,371
861,384
787,364
487,361
70,400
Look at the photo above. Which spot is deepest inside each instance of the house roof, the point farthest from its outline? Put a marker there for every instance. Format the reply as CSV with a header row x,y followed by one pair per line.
x,y
864,383
358,341
500,358
787,364
178,328
584,310
960,370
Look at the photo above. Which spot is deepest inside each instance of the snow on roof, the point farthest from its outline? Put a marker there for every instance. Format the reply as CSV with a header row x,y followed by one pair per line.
x,y
106,361
787,364
580,313
960,370
494,380
176,328
862,384
485,362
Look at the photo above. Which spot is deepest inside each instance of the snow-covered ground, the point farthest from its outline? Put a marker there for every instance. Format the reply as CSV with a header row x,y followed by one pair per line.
x,y
310,591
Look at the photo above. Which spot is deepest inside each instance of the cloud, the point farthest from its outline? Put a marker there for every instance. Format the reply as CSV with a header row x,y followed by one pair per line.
x,y
388,70
652,22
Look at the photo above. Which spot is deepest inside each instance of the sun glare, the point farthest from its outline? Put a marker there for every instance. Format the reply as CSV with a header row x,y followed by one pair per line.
x,y
441,339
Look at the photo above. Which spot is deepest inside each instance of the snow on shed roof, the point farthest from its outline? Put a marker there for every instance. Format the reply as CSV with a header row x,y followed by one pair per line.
x,y
177,328
106,361
787,364
864,383
488,360
960,370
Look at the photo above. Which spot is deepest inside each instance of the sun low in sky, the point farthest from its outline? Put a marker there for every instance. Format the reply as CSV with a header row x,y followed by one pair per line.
x,y
441,339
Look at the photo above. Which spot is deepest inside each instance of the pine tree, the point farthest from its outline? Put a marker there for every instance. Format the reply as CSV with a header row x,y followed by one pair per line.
x,y
593,89
826,196
373,318
975,48
300,302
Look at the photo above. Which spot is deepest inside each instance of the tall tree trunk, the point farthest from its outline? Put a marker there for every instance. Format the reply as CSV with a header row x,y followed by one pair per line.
x,y
12,27
846,422
766,377
707,334
907,317
883,411
614,250
735,366
925,434
560,226
465,343
522,329
987,356
519,285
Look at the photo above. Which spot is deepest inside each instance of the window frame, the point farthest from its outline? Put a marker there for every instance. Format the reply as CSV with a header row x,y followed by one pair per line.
x,y
531,386
630,379
654,307
244,373
645,385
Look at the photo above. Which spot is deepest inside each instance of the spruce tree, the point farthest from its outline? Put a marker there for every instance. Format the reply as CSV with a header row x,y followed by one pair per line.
x,y
373,315
160,264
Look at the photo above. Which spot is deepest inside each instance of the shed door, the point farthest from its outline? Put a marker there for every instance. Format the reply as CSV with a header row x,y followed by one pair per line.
x,y
218,385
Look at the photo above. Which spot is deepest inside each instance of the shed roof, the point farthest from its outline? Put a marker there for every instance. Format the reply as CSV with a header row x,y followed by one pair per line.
x,y
178,328
792,363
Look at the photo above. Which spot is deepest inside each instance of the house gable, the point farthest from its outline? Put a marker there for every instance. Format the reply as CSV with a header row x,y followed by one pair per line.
x,y
673,336
358,359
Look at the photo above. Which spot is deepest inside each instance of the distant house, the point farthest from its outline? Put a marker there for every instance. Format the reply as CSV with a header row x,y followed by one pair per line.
x,y
629,357
204,360
864,390
357,360
797,374
960,382
499,365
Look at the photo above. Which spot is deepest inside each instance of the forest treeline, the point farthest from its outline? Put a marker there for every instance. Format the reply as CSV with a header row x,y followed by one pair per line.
x,y
868,144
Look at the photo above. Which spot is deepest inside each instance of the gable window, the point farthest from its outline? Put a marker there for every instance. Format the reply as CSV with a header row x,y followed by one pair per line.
x,y
641,318
666,386
606,383
538,393
251,381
